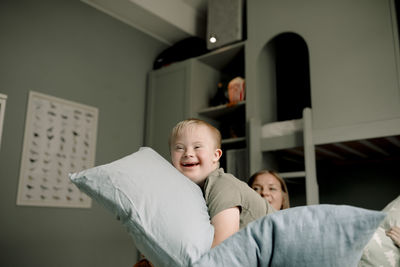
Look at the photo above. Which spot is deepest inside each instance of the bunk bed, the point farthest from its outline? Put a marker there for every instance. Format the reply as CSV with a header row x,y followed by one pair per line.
x,y
298,138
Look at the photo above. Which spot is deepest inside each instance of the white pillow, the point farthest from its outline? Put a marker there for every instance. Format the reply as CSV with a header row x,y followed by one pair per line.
x,y
381,250
164,211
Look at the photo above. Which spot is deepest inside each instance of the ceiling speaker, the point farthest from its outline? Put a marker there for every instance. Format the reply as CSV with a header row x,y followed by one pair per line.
x,y
224,22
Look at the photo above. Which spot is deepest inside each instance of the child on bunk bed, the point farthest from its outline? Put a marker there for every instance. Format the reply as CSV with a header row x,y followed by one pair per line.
x,y
195,148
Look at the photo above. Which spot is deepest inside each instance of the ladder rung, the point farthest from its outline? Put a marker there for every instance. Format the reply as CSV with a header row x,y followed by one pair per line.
x,y
300,174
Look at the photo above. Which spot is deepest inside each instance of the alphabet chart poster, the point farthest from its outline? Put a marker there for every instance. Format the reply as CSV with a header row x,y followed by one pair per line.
x,y
60,138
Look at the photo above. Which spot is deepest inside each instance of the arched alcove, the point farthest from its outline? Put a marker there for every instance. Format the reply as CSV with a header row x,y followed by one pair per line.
x,y
292,76
283,78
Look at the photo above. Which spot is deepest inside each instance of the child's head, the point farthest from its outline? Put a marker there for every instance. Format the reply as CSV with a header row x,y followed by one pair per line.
x,y
195,148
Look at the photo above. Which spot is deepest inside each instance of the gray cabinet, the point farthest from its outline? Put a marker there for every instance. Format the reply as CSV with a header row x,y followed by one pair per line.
x,y
175,93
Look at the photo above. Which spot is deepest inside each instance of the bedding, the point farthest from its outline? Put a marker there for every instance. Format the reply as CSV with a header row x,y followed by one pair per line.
x,y
166,215
380,250
280,128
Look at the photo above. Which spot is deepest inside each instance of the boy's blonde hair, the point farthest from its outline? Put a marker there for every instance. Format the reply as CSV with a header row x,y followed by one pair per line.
x,y
190,122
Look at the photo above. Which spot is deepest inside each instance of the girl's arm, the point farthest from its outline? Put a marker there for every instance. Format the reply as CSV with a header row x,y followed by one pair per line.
x,y
225,223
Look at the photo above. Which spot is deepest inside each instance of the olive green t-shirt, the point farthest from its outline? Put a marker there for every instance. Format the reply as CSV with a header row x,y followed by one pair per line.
x,y
223,191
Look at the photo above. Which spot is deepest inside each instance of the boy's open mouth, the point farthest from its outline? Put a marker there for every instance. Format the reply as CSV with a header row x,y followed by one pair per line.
x,y
190,164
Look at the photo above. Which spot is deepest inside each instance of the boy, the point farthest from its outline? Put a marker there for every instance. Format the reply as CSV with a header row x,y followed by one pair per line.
x,y
195,148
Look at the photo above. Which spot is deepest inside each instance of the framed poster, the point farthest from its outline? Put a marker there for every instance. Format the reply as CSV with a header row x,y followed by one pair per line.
x,y
60,138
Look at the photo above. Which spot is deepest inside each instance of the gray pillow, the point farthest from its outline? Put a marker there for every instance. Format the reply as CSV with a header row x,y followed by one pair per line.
x,y
310,236
164,211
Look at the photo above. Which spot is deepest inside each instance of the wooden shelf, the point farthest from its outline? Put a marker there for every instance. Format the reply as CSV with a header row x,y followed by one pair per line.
x,y
221,110
220,58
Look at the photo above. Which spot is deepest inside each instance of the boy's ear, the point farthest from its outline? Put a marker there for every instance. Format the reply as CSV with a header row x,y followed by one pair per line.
x,y
217,154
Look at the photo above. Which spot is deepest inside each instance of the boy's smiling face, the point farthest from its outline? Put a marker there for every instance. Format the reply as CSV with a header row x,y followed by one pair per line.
x,y
194,153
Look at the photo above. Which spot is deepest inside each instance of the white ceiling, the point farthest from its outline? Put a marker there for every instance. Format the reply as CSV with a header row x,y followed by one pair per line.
x,y
166,20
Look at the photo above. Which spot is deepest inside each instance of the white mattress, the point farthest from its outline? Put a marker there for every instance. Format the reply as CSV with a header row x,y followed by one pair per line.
x,y
281,128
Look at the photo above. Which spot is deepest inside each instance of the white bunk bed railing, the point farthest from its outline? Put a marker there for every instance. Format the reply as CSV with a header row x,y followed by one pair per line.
x,y
303,138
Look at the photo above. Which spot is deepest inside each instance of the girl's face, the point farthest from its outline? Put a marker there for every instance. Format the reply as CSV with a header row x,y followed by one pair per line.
x,y
194,153
269,188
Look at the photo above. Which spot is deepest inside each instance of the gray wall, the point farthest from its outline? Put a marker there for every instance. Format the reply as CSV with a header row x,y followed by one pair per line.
x,y
70,50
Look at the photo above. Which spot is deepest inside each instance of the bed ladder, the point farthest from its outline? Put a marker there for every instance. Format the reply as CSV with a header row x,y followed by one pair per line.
x,y
310,174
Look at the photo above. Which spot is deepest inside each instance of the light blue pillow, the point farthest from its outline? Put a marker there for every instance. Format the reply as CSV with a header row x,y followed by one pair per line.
x,y
164,211
310,236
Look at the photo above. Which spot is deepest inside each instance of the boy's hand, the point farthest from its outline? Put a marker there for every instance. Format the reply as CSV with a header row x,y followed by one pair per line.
x,y
394,234
225,223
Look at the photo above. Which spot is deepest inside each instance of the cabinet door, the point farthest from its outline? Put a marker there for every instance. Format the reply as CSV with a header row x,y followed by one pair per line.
x,y
166,105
